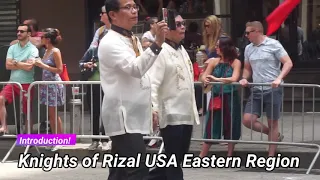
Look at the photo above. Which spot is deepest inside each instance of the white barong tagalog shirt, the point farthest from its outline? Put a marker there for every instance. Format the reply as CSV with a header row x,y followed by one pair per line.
x,y
126,106
173,94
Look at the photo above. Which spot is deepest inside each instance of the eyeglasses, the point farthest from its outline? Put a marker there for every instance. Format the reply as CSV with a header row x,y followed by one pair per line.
x,y
130,8
179,24
21,31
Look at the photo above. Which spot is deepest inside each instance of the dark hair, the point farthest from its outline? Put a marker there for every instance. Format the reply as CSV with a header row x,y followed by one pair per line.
x,y
53,35
193,27
148,22
228,48
112,5
34,24
28,27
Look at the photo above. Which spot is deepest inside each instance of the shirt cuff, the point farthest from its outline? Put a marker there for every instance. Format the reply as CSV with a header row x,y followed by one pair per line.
x,y
155,48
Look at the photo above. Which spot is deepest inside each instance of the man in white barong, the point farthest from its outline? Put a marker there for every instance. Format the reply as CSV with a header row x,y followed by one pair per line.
x,y
173,99
126,107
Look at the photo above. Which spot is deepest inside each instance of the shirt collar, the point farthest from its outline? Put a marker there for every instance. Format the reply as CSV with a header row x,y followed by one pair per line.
x,y
174,45
122,31
28,44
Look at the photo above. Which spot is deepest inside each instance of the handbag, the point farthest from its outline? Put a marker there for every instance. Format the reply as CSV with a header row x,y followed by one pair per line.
x,y
64,75
215,103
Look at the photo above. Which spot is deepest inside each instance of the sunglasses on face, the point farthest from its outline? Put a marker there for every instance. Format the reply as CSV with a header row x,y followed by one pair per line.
x,y
179,24
21,31
248,32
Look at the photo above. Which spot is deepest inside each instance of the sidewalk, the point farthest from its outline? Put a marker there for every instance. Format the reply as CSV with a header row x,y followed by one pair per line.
x,y
295,128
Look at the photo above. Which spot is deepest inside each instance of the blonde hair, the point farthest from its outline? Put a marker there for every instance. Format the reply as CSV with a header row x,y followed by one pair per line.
x,y
210,41
256,25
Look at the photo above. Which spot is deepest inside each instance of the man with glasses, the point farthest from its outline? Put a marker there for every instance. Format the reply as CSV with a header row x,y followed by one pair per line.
x,y
263,58
20,60
102,31
173,99
89,65
126,107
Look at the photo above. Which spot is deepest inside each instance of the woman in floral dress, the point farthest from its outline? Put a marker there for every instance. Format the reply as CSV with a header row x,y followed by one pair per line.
x,y
52,95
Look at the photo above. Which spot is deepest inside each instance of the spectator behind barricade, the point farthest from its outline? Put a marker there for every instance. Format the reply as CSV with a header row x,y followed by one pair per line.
x,y
20,60
36,35
150,32
262,61
89,67
52,95
103,30
193,38
192,41
226,120
212,31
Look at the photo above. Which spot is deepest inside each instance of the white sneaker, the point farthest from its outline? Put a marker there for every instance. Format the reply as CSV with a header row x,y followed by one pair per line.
x,y
55,148
106,146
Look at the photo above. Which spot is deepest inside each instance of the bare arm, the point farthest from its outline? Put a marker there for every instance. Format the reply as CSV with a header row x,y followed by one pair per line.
x,y
35,41
209,69
247,71
10,65
236,65
287,65
58,61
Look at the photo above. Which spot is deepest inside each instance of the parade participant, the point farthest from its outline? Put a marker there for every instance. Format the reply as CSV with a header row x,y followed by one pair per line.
x,y
126,107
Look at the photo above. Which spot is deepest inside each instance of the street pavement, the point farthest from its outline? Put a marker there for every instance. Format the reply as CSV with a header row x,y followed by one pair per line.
x,y
9,171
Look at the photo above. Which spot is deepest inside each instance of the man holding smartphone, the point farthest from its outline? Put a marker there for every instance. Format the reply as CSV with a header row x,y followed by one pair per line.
x,y
126,107
173,99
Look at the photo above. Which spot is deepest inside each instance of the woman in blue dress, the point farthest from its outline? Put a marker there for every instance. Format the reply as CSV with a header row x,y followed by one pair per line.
x,y
52,95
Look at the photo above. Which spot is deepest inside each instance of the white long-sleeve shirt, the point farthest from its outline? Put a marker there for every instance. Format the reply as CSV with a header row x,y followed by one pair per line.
x,y
172,87
126,106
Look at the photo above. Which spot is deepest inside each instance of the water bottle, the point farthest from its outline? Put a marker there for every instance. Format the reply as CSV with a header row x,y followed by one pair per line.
x,y
200,57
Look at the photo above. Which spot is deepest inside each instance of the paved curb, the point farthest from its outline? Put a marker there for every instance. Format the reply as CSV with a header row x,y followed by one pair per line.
x,y
305,157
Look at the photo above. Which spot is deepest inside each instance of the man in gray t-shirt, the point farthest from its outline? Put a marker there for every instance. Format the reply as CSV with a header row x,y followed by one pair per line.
x,y
263,58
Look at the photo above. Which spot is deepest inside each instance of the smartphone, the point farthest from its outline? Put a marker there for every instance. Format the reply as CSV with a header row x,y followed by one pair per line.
x,y
168,17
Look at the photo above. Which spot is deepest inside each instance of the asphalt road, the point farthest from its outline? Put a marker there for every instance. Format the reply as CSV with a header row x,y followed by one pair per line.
x,y
9,171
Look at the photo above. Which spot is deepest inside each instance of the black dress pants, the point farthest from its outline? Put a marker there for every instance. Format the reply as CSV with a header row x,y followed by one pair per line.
x,y
128,145
176,141
95,105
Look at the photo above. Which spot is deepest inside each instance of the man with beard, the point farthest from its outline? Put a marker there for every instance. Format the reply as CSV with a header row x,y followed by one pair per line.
x,y
20,60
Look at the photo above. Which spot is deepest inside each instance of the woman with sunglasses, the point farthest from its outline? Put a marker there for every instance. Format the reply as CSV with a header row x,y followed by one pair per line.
x,y
52,95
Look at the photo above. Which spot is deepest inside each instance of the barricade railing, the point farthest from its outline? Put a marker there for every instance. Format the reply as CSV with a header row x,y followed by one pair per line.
x,y
18,121
79,119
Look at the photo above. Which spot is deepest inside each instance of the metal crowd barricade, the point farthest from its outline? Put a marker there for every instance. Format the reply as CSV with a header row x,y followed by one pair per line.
x,y
73,117
77,88
18,120
248,136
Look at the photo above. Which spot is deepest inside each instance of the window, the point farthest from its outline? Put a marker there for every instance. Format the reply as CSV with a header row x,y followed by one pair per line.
x,y
309,31
9,19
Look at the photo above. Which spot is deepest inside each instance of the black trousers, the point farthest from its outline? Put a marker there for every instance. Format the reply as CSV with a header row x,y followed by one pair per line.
x,y
176,142
129,145
95,106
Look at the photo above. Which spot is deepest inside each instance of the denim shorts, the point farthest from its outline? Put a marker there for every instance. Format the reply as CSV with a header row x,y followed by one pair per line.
x,y
259,102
